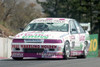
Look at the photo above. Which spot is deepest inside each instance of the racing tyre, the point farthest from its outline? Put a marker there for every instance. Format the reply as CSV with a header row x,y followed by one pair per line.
x,y
84,52
16,58
82,56
66,50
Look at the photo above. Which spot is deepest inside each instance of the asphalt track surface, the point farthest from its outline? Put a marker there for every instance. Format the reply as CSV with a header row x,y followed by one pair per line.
x,y
71,62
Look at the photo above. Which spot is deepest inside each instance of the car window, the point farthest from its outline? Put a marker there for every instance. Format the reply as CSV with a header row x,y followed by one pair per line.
x,y
73,28
47,27
81,30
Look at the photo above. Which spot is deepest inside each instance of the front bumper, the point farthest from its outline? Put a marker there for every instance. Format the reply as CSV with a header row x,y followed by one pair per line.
x,y
37,51
38,55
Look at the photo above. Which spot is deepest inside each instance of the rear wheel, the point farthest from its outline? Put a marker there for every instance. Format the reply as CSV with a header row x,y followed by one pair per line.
x,y
84,52
66,50
82,56
16,58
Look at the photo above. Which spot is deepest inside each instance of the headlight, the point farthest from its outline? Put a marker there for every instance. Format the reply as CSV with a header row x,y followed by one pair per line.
x,y
52,41
18,41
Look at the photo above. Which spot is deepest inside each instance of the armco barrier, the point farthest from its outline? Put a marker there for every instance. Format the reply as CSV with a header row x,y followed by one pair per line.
x,y
93,49
5,47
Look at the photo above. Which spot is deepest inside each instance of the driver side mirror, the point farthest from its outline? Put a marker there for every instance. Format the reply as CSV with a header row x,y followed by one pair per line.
x,y
21,29
73,29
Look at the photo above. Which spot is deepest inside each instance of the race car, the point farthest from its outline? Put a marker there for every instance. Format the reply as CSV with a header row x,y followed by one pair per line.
x,y
51,38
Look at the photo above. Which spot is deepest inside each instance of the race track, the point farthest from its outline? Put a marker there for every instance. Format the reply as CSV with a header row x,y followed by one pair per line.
x,y
72,62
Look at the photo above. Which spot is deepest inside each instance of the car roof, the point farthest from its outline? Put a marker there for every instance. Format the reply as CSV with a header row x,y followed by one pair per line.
x,y
51,20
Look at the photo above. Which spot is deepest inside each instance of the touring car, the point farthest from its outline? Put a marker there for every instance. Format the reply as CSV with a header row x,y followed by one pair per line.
x,y
51,38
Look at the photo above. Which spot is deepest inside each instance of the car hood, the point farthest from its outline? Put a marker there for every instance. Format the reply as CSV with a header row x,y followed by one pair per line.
x,y
41,35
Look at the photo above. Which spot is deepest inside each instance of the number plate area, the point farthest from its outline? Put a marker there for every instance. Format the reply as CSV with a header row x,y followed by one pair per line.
x,y
16,54
33,40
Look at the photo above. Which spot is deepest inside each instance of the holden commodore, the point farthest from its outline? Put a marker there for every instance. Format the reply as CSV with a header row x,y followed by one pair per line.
x,y
51,38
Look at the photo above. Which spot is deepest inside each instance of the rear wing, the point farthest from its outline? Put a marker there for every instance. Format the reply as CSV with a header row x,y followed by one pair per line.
x,y
85,26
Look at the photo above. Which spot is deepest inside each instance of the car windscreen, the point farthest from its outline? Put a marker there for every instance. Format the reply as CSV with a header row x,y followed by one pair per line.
x,y
47,27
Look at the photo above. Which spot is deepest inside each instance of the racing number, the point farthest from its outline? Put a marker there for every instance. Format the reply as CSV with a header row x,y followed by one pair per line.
x,y
93,45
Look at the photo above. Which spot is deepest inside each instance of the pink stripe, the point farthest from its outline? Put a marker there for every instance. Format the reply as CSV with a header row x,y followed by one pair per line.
x,y
49,19
62,19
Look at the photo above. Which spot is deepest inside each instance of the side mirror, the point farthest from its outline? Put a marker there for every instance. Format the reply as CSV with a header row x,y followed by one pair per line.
x,y
73,29
21,29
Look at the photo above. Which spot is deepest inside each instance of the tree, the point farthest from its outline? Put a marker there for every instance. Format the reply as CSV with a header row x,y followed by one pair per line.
x,y
62,8
81,10
16,15
8,5
22,15
87,11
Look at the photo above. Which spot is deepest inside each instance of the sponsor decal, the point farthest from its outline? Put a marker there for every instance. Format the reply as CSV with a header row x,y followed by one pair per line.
x,y
17,54
34,46
36,35
33,40
50,21
82,38
33,34
72,37
93,49
93,45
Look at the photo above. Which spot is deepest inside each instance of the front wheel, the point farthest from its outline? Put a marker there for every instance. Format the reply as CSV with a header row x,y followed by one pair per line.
x,y
66,50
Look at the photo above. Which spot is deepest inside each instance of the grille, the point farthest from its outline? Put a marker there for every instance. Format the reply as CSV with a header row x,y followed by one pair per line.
x,y
51,49
33,40
33,50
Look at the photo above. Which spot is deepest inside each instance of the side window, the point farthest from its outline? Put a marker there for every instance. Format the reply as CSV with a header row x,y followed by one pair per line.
x,y
81,30
73,28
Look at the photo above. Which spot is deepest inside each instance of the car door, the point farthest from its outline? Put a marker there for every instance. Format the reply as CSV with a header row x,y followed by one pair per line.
x,y
74,36
81,35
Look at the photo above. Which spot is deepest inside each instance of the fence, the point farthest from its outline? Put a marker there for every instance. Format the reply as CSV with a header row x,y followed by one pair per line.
x,y
5,47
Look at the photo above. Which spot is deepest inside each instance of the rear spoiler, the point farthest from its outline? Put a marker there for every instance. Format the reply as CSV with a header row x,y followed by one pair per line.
x,y
86,26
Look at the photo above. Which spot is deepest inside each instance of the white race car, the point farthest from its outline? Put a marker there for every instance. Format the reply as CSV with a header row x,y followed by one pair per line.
x,y
51,38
